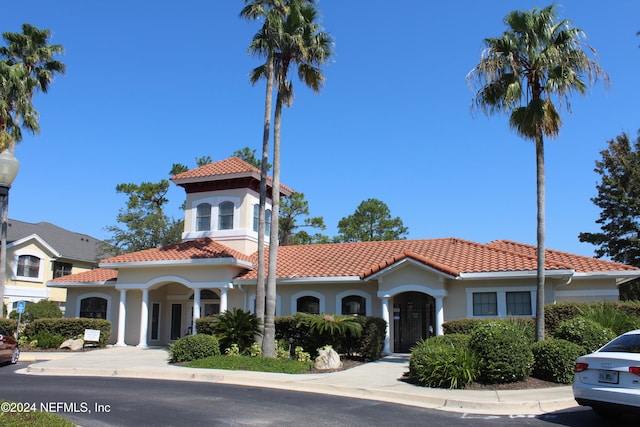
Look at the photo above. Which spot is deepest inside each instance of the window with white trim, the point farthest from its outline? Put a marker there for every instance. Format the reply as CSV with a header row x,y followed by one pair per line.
x,y
203,217
28,266
485,304
354,305
93,308
519,303
225,216
308,304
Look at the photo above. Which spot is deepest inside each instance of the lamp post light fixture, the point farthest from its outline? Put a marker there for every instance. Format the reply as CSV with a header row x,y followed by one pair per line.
x,y
8,170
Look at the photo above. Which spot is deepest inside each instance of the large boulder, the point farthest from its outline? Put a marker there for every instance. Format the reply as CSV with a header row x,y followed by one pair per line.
x,y
73,345
327,359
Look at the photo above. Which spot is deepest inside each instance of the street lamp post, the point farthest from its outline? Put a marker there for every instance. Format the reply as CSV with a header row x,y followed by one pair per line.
x,y
8,170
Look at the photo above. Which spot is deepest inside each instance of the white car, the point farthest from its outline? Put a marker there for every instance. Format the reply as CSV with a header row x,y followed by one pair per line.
x,y
608,379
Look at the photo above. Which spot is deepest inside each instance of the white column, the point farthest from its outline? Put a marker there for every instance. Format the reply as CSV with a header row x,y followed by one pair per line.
x,y
385,316
439,316
223,300
122,316
144,319
196,310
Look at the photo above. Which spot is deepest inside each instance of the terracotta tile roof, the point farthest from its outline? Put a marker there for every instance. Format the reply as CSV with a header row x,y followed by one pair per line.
x,y
233,167
204,248
578,263
91,276
448,255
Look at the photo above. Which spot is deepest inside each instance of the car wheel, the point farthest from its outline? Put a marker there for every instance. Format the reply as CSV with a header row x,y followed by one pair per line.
x,y
15,356
605,413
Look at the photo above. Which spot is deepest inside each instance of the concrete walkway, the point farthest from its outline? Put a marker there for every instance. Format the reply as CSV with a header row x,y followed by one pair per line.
x,y
378,380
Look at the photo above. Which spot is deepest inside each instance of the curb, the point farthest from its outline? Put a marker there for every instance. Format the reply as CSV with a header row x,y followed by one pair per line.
x,y
421,399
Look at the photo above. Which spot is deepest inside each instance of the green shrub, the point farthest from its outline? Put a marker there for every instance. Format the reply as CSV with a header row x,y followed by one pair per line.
x,y
9,325
43,309
587,333
193,347
554,360
444,361
48,340
329,329
555,314
611,316
235,327
461,326
70,328
503,352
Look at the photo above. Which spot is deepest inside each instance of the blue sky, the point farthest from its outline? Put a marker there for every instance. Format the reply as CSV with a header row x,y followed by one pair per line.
x,y
152,84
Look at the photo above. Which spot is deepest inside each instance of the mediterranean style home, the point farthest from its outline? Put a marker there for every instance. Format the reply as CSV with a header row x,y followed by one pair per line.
x,y
153,297
38,253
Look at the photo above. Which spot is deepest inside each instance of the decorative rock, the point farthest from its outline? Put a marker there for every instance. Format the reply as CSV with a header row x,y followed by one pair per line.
x,y
73,345
327,359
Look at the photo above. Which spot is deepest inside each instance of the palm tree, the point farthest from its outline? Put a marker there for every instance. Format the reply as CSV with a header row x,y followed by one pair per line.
x,y
301,44
263,42
30,50
289,37
15,104
535,59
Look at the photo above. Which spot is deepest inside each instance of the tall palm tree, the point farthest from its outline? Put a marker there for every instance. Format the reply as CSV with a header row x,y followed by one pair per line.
x,y
304,46
535,59
263,43
31,50
15,104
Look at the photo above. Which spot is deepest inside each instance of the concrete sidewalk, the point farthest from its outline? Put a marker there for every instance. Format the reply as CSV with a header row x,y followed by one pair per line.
x,y
380,380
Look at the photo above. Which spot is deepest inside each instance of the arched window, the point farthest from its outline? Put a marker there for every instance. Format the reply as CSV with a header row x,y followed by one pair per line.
x,y
308,304
225,216
354,304
93,308
203,217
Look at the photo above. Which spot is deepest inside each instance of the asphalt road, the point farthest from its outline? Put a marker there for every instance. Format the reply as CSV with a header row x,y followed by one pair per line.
x,y
93,402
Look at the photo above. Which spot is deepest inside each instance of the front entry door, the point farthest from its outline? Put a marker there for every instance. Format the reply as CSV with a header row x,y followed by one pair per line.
x,y
413,319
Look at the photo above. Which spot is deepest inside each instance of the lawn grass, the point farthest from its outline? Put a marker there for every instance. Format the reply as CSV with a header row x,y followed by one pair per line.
x,y
248,363
36,418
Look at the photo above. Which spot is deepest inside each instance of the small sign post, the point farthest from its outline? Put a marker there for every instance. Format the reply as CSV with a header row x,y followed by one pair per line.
x,y
20,310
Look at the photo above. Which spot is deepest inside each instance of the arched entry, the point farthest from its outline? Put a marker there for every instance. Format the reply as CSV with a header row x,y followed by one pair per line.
x,y
413,319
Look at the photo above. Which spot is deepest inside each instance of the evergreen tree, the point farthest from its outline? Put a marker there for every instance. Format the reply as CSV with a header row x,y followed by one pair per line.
x,y
619,200
291,209
371,222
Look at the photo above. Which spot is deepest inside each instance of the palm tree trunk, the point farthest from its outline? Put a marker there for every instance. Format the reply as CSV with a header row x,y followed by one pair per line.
x,y
268,344
260,288
540,189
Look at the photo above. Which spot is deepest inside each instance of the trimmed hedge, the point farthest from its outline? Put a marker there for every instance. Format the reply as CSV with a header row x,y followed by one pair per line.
x,y
70,328
466,326
9,325
587,333
503,351
193,347
554,360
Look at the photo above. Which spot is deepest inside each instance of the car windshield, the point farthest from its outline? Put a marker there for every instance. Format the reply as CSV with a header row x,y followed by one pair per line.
x,y
624,344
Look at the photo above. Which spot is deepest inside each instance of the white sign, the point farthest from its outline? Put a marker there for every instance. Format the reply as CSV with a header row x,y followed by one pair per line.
x,y
92,335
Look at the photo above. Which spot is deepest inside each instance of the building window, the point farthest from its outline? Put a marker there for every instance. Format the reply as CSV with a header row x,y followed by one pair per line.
x,y
354,304
28,266
256,217
155,321
519,303
203,217
225,216
93,308
267,222
308,304
485,304
61,269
